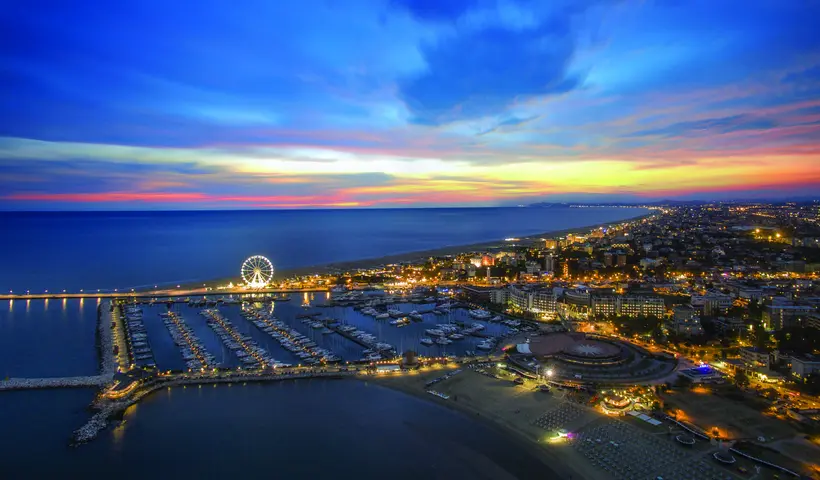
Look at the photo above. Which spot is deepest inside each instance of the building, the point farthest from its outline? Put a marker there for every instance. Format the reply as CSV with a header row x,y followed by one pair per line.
x,y
477,294
603,305
812,320
551,244
805,365
538,301
713,303
500,296
730,324
777,317
621,259
755,357
641,305
549,263
532,267
685,322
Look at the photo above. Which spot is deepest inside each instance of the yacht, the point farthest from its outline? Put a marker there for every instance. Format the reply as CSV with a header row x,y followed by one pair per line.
x,y
394,312
382,316
443,341
434,332
416,316
457,336
485,345
400,322
480,314
426,341
478,326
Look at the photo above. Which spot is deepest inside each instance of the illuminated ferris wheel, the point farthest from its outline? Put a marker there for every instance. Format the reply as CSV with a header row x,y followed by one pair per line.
x,y
257,271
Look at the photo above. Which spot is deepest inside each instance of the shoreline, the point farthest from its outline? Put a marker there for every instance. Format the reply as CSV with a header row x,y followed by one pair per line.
x,y
552,460
422,254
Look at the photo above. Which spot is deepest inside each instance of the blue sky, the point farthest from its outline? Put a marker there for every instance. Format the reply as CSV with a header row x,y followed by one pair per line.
x,y
405,103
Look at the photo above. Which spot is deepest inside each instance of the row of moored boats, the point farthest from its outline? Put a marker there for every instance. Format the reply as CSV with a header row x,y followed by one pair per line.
x,y
194,353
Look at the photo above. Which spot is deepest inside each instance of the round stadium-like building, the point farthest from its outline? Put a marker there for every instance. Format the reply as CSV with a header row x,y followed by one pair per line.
x,y
590,358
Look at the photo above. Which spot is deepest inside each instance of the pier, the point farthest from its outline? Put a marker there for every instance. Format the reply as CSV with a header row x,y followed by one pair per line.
x,y
348,336
95,381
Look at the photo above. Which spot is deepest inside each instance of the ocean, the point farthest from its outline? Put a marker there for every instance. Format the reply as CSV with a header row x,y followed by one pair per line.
x,y
310,429
106,250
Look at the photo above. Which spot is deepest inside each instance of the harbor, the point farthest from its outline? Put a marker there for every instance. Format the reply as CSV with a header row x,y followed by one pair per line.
x,y
145,345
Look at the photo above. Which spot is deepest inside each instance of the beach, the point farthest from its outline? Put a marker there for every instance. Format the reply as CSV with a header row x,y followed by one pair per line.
x,y
506,407
421,255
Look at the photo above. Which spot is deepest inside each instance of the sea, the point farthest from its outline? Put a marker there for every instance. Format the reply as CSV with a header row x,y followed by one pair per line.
x,y
293,429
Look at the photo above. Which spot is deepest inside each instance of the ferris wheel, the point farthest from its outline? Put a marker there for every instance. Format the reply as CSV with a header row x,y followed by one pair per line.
x,y
257,271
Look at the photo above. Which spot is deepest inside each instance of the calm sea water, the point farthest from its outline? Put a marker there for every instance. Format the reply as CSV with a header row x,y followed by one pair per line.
x,y
107,250
315,429
305,430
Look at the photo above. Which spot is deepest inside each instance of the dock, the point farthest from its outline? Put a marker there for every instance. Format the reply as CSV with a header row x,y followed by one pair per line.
x,y
94,381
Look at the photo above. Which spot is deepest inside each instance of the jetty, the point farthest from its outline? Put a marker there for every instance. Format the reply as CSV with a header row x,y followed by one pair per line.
x,y
96,381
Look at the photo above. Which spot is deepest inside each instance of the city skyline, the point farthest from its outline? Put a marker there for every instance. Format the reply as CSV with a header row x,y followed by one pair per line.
x,y
406,104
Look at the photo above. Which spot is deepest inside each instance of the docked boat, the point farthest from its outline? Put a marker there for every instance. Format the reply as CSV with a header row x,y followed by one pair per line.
x,y
426,341
400,322
382,316
485,345
435,332
456,336
416,316
443,341
480,314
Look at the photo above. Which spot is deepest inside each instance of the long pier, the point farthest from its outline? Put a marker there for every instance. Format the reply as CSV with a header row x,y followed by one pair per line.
x,y
172,293
349,336
57,382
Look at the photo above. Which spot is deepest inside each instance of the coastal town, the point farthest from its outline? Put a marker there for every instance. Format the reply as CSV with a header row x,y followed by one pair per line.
x,y
689,336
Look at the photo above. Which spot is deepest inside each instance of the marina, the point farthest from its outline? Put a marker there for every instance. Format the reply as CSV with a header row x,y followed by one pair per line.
x,y
249,353
194,354
139,348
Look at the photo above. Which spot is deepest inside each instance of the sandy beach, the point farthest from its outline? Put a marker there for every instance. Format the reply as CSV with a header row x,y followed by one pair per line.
x,y
506,407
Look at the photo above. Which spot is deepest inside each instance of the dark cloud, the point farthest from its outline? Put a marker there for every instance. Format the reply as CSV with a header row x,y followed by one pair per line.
x,y
721,125
436,10
481,72
513,121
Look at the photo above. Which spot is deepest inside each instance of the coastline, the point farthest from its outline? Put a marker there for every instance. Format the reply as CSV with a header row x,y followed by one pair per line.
x,y
434,252
552,459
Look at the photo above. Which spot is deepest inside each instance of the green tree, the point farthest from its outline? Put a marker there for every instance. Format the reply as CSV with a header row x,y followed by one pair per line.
x,y
741,379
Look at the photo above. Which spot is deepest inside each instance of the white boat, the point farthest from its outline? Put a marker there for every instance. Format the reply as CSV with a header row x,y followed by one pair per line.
x,y
434,332
426,341
480,314
416,315
485,345
457,336
382,316
394,312
478,326
443,341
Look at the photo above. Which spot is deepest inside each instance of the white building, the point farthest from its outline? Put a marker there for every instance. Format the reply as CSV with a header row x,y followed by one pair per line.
x,y
805,365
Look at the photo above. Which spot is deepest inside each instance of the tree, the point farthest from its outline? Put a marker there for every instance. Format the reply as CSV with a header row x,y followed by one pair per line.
x,y
741,379
683,382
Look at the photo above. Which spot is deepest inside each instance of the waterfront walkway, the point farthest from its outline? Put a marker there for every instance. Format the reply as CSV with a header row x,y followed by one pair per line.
x,y
58,382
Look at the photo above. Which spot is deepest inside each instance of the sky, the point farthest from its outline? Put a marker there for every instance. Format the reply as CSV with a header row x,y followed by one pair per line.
x,y
405,103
